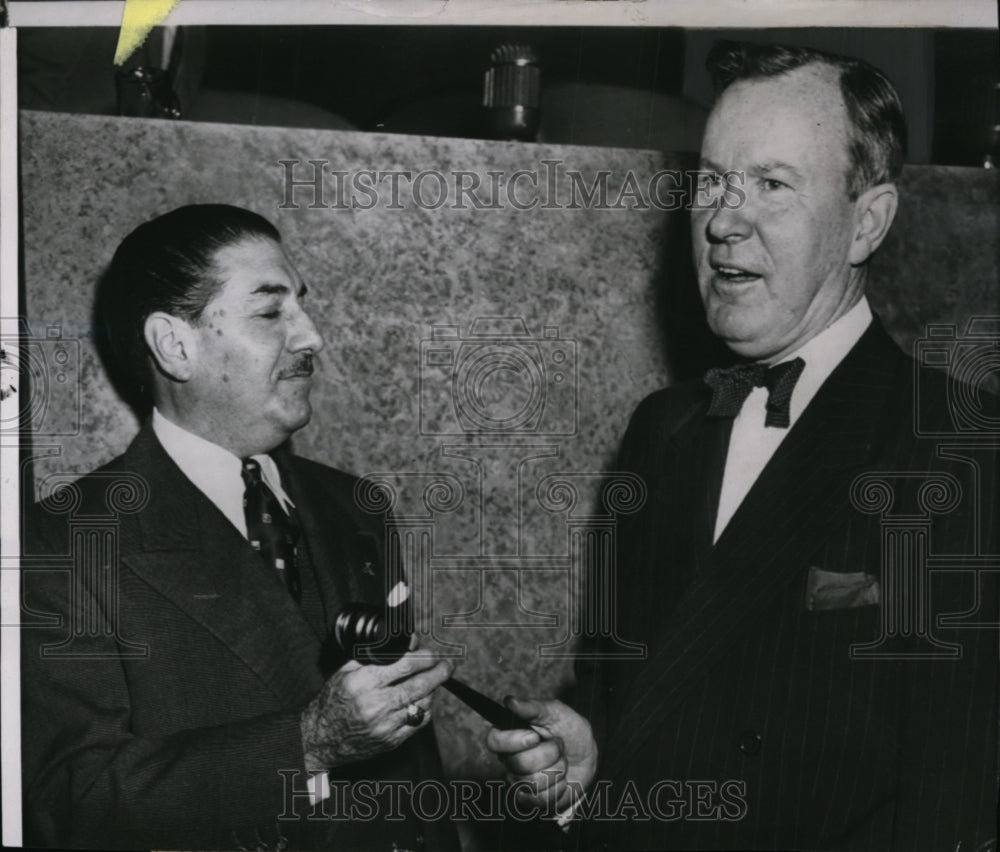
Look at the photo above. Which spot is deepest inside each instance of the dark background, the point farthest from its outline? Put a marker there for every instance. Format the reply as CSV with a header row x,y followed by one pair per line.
x,y
624,87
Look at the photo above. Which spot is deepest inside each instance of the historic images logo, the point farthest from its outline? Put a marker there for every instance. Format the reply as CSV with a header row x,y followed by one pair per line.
x,y
550,186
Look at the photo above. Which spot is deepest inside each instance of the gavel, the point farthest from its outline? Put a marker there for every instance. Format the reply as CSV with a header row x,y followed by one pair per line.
x,y
380,636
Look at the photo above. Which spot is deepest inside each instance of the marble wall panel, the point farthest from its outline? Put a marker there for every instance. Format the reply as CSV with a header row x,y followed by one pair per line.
x,y
605,298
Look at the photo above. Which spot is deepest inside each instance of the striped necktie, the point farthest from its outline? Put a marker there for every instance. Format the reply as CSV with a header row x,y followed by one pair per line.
x,y
270,530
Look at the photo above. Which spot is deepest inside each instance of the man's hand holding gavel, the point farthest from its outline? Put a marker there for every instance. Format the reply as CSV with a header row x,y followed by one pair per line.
x,y
365,710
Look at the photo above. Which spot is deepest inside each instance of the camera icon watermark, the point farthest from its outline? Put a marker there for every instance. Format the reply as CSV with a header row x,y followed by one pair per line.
x,y
40,385
498,380
972,361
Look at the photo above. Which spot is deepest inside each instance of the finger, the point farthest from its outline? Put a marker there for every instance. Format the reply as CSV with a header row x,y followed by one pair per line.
x,y
550,802
450,663
548,789
349,666
423,683
543,756
424,705
351,670
542,787
548,718
534,712
510,742
564,795
410,663
403,718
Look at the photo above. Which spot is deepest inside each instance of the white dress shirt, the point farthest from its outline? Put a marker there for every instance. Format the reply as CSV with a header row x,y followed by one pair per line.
x,y
751,443
215,471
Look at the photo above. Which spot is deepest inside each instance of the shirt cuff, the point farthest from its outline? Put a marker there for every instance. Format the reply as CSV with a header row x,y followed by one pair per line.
x,y
318,787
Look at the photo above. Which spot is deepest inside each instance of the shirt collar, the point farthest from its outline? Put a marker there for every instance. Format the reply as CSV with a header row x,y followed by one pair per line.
x,y
825,351
213,470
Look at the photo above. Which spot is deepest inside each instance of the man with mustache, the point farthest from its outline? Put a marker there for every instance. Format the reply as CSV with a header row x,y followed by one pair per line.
x,y
191,706
810,683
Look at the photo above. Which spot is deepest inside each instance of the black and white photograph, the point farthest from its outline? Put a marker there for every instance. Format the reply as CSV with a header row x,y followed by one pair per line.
x,y
462,425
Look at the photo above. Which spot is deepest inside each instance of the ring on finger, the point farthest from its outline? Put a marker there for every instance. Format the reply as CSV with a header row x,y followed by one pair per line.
x,y
414,715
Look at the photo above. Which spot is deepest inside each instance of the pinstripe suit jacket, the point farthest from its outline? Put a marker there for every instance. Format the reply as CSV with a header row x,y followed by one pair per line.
x,y
165,720
748,683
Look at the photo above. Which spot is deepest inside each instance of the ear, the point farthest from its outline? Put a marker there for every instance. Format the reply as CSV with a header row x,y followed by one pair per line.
x,y
876,209
172,344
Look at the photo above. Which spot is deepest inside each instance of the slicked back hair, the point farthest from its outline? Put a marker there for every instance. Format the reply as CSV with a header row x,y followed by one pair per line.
x,y
168,264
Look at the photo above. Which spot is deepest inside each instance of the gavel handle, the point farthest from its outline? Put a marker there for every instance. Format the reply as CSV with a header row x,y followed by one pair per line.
x,y
494,713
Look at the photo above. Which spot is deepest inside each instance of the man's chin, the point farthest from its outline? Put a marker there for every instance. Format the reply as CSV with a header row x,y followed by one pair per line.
x,y
734,328
294,395
743,342
292,416
297,419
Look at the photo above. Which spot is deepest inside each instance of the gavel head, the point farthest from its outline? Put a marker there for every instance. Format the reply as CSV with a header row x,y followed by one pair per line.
x,y
371,634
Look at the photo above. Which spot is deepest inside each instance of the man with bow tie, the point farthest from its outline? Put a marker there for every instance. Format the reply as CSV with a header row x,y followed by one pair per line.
x,y
808,682
175,693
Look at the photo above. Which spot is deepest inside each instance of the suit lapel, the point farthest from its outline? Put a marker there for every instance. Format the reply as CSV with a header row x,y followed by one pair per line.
x,y
698,447
765,545
710,456
192,555
348,559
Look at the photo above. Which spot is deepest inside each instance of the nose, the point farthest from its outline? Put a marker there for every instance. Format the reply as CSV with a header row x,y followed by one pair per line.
x,y
303,335
727,224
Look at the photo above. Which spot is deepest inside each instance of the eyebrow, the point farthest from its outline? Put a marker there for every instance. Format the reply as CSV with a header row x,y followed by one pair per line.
x,y
777,166
278,290
766,166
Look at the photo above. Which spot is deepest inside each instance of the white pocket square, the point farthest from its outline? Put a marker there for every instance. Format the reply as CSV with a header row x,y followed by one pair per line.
x,y
840,590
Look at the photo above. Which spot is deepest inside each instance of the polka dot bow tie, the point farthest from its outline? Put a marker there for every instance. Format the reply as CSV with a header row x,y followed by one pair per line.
x,y
270,530
732,385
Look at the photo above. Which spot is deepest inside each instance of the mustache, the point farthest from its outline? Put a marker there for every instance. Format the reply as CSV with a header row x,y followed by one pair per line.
x,y
302,367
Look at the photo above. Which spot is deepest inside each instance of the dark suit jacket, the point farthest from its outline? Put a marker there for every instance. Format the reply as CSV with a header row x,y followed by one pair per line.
x,y
750,678
164,675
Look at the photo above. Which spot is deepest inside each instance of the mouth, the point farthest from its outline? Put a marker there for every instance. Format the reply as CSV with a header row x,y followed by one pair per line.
x,y
301,369
732,274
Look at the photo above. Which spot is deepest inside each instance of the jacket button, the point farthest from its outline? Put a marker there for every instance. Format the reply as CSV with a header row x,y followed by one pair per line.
x,y
750,742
